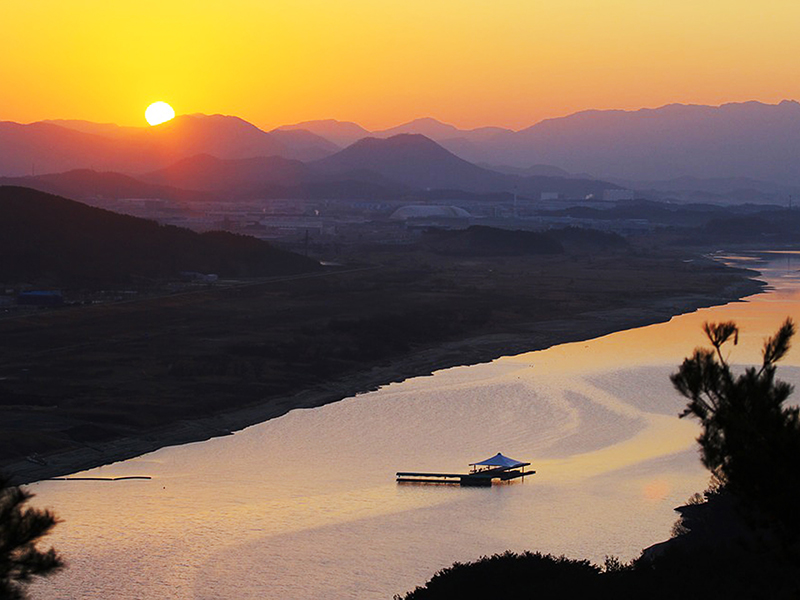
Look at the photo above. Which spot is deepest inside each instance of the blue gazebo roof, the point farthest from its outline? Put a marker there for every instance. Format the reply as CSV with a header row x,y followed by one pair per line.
x,y
498,460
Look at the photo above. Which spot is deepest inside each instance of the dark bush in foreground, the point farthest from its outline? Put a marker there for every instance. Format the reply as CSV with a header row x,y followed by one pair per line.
x,y
737,570
510,575
733,572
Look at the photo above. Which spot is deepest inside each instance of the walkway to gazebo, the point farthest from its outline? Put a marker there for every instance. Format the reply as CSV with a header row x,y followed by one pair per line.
x,y
481,473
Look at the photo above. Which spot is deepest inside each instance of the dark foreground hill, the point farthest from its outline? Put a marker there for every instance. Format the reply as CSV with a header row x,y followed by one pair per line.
x,y
50,240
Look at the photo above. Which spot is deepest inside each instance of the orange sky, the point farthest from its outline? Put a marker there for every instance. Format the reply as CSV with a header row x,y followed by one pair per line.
x,y
383,62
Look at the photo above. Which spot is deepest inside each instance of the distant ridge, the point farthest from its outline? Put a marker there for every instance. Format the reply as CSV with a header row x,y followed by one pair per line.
x,y
52,148
439,131
748,139
341,133
46,148
272,177
372,168
110,130
306,144
243,161
85,184
533,170
211,174
752,139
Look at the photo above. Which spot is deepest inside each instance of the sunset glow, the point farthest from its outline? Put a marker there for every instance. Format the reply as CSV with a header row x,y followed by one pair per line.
x,y
261,342
159,112
510,63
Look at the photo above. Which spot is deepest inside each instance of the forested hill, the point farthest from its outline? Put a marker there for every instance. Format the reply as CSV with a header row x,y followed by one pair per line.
x,y
49,240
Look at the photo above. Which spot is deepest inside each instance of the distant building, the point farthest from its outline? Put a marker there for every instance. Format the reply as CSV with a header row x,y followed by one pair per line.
x,y
40,298
550,196
617,195
425,211
294,223
199,277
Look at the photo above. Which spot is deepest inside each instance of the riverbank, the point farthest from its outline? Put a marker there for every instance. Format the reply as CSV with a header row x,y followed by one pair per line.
x,y
314,342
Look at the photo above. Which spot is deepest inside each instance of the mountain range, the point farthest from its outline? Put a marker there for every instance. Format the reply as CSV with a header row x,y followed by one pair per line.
x,y
391,168
57,146
420,163
709,149
748,139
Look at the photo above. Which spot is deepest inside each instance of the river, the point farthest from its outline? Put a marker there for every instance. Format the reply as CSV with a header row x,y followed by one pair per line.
x,y
305,506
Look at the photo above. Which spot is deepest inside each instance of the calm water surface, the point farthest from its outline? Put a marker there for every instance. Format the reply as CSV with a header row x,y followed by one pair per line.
x,y
306,507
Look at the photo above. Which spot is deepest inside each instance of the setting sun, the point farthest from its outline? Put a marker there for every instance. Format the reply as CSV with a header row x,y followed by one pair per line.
x,y
159,112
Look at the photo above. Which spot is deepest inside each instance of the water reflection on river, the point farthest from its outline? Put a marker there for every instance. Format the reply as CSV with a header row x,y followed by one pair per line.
x,y
305,506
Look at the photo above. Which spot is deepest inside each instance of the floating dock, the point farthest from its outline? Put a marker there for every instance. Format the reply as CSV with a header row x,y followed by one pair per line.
x,y
127,478
482,473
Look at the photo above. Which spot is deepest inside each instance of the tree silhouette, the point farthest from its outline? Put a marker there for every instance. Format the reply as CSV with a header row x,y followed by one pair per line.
x,y
20,529
750,441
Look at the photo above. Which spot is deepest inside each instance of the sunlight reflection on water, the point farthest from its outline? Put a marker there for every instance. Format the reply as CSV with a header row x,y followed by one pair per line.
x,y
305,506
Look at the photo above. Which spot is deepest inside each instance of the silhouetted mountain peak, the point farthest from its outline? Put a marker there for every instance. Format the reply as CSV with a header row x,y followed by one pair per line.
x,y
232,137
427,121
219,123
410,144
341,133
324,123
314,146
427,126
413,160
50,239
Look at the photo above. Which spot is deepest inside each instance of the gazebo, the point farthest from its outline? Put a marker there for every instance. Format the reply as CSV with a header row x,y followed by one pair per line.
x,y
497,462
481,473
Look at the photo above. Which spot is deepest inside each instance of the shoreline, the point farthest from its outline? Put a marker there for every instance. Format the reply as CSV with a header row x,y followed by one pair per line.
x,y
529,337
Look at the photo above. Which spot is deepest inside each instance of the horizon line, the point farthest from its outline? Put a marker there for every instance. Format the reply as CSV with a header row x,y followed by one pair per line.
x,y
420,118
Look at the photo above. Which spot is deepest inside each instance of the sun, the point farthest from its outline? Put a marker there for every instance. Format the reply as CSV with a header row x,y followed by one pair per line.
x,y
159,112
